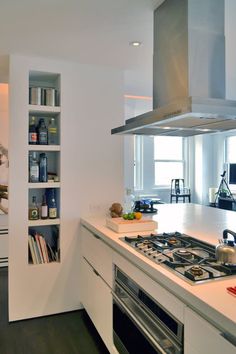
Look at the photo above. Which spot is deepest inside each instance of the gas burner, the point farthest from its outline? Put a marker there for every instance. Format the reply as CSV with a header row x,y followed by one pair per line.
x,y
196,270
182,253
173,240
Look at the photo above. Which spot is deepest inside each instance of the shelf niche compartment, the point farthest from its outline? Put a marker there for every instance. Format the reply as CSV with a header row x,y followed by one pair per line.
x,y
38,193
47,117
43,245
53,160
44,81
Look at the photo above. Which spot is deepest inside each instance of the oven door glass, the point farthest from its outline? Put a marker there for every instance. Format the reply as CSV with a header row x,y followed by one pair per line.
x,y
128,339
134,332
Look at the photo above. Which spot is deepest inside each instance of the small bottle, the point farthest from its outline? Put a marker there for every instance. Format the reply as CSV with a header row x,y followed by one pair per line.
x,y
33,136
33,168
42,132
43,171
44,208
33,210
52,132
52,206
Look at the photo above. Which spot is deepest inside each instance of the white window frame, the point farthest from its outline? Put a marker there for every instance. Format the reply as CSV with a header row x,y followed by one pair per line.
x,y
145,165
227,161
138,162
170,160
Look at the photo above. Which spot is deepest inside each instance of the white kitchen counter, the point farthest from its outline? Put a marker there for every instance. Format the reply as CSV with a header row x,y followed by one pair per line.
x,y
209,299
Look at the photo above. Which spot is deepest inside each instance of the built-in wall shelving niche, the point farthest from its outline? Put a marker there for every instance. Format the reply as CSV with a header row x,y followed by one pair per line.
x,y
44,244
44,232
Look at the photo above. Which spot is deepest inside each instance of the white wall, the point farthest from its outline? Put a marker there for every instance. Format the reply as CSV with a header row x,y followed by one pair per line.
x,y
91,177
213,145
230,28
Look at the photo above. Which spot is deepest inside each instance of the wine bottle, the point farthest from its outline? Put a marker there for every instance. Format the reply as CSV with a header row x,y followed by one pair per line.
x,y
43,171
52,132
44,208
33,168
33,135
42,132
52,206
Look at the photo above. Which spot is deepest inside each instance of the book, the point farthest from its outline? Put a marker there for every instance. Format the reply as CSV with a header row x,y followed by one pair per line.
x,y
40,253
51,253
43,248
38,258
31,248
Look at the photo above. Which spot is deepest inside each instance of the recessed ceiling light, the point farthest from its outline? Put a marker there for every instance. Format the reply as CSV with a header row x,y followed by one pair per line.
x,y
135,43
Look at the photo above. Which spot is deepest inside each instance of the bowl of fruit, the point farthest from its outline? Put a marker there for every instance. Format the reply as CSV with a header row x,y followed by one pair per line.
x,y
132,216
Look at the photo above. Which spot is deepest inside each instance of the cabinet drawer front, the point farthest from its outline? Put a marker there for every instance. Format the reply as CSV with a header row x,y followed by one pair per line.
x,y
97,301
203,337
160,294
98,254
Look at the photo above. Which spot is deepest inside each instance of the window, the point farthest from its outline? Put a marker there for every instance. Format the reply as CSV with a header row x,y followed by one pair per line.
x,y
138,162
230,160
156,161
168,159
231,149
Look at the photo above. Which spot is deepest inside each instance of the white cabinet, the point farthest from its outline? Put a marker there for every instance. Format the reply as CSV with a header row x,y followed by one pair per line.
x,y
97,300
98,254
201,337
96,282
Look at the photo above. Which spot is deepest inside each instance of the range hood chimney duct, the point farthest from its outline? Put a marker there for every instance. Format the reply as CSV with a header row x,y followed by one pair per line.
x,y
188,72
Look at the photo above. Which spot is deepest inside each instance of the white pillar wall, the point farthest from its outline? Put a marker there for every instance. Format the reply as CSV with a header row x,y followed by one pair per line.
x,y
91,173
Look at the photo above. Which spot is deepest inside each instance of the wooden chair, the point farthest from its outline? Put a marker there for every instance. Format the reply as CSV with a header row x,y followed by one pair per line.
x,y
179,191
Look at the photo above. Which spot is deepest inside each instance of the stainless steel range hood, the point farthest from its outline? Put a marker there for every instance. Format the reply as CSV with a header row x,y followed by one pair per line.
x,y
188,72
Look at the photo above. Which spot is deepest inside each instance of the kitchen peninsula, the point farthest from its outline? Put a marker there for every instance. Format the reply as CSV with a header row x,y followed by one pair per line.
x,y
204,309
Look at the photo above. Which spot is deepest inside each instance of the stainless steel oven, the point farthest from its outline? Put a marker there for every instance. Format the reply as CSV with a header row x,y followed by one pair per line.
x,y
140,323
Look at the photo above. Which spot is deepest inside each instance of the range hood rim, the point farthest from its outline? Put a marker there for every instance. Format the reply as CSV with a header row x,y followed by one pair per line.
x,y
197,107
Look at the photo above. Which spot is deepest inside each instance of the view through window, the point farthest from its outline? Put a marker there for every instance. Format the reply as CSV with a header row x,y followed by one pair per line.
x,y
157,160
168,159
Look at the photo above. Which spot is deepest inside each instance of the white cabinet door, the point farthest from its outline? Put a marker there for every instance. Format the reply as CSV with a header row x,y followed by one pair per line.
x,y
97,253
97,300
201,337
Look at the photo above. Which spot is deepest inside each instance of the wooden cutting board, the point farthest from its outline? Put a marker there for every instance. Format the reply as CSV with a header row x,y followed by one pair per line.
x,y
121,225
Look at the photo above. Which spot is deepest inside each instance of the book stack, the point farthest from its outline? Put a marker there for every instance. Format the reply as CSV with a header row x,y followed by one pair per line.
x,y
40,251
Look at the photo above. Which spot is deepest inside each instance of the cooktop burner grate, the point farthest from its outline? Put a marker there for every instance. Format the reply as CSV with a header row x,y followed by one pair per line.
x,y
187,256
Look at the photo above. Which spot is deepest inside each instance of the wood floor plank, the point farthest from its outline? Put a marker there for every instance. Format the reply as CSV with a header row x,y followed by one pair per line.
x,y
67,333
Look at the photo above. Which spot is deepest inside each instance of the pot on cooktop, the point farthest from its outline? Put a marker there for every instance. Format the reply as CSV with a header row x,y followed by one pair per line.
x,y
226,250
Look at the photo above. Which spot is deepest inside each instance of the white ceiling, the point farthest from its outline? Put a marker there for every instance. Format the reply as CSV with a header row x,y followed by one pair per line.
x,y
88,31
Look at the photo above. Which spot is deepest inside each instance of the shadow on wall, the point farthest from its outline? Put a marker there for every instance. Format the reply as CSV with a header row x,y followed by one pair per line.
x,y
3,148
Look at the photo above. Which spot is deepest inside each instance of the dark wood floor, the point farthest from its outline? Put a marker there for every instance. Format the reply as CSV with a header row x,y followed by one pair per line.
x,y
68,333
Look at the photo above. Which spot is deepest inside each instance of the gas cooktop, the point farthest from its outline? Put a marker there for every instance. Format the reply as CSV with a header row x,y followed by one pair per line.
x,y
188,257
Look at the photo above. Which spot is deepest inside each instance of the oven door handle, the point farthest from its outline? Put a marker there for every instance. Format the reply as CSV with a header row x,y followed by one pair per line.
x,y
139,324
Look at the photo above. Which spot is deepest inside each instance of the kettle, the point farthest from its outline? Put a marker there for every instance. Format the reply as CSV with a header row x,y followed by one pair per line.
x,y
226,250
